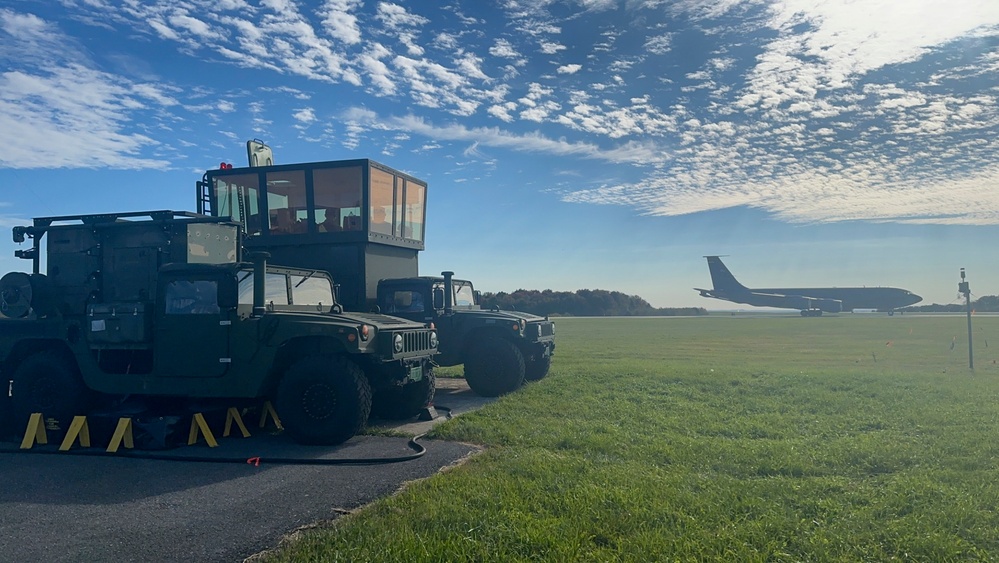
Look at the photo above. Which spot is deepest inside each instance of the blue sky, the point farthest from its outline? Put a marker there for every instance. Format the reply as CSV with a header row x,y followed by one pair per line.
x,y
567,144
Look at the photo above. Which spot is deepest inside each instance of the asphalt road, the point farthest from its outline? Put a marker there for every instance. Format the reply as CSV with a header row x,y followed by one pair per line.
x,y
67,507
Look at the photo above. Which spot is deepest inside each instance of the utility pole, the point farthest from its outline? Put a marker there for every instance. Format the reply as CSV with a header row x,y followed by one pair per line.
x,y
966,290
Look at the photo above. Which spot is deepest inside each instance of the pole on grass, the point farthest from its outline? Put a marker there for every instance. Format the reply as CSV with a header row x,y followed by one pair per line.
x,y
964,288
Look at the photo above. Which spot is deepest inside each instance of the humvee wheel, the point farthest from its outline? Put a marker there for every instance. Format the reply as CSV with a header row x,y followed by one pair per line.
x,y
6,428
400,402
48,383
537,368
323,400
494,367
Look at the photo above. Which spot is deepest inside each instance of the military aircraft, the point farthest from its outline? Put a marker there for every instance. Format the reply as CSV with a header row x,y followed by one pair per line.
x,y
810,301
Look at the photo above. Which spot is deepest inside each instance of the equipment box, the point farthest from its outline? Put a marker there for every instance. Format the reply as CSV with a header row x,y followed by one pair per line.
x,y
118,323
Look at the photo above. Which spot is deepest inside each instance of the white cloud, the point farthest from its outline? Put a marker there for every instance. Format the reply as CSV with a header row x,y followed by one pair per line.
x,y
190,24
660,44
632,152
842,40
305,116
569,69
339,21
377,71
396,17
70,117
502,111
503,48
551,48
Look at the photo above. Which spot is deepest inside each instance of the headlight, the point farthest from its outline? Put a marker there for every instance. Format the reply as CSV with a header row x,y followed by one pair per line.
x,y
553,329
540,332
522,324
397,342
433,339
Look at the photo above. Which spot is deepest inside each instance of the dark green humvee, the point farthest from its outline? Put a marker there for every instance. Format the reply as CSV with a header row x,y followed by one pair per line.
x,y
160,305
500,349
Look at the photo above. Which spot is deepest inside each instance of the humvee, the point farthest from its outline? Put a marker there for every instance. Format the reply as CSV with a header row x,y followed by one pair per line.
x,y
500,349
162,305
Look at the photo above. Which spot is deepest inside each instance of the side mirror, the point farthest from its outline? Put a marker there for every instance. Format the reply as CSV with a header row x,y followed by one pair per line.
x,y
438,298
228,296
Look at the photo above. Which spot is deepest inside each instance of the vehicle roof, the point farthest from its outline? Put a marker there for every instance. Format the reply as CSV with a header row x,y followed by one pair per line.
x,y
208,268
398,281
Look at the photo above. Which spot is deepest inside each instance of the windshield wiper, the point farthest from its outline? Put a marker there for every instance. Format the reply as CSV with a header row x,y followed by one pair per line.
x,y
305,278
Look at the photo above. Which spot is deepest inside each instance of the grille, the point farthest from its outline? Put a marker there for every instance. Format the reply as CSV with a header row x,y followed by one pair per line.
x,y
416,341
547,329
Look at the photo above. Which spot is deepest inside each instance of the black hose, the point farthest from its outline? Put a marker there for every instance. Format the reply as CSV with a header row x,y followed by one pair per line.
x,y
419,450
255,461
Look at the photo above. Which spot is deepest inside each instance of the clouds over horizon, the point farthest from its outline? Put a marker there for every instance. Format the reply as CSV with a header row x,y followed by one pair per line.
x,y
814,112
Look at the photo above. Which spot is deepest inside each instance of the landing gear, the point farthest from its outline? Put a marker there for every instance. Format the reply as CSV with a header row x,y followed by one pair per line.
x,y
811,313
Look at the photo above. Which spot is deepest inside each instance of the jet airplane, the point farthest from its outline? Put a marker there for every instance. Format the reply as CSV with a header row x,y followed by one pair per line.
x,y
810,301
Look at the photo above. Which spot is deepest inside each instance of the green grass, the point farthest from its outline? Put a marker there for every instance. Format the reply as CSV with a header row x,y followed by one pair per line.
x,y
852,438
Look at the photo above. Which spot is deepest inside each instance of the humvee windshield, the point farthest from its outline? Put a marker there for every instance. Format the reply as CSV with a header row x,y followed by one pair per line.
x,y
288,289
464,294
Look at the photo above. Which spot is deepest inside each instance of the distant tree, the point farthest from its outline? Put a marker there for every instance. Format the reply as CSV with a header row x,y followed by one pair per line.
x,y
581,303
987,303
984,304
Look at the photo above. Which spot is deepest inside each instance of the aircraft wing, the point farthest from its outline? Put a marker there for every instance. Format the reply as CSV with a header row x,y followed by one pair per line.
x,y
801,302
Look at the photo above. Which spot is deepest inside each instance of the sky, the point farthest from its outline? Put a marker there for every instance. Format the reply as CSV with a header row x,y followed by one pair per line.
x,y
576,144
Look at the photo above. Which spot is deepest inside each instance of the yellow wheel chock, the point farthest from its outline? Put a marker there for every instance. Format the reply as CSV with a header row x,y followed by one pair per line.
x,y
122,434
77,429
35,432
232,415
198,423
268,410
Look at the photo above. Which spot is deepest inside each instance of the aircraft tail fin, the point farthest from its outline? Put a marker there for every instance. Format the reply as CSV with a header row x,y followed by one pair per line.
x,y
721,278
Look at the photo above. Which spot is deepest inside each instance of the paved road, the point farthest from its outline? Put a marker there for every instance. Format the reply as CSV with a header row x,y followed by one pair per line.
x,y
64,507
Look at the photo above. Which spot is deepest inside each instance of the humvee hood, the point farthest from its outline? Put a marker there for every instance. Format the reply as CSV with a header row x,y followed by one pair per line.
x,y
381,322
511,315
384,321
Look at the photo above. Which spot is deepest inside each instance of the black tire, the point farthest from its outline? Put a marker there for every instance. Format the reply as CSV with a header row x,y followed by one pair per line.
x,y
494,366
399,402
323,400
537,368
49,383
6,418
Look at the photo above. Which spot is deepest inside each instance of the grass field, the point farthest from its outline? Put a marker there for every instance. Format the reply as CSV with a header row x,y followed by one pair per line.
x,y
849,438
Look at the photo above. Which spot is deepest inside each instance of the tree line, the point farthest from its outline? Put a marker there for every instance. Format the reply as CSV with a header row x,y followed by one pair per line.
x,y
984,304
581,303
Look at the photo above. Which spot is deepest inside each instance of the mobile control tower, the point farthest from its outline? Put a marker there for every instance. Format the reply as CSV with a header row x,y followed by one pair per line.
x,y
365,223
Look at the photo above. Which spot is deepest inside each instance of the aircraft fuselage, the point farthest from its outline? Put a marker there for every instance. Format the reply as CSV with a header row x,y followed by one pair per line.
x,y
813,300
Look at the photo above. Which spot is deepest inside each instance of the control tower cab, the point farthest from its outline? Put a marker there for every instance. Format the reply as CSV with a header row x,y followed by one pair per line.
x,y
360,220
